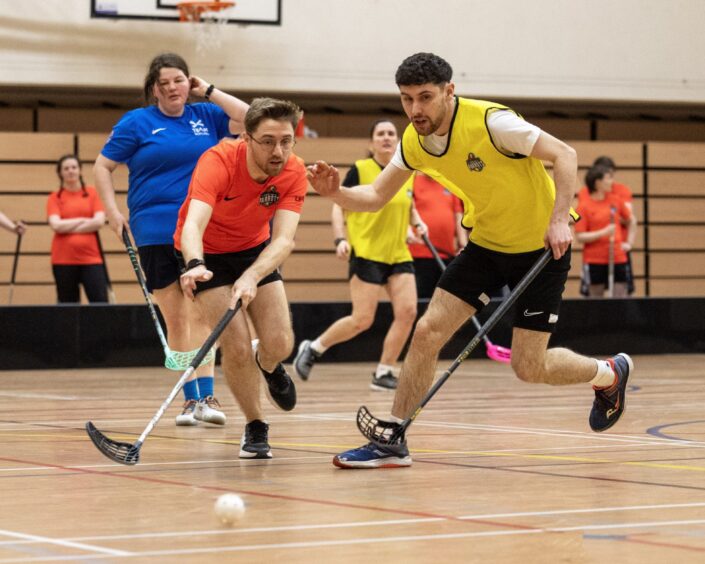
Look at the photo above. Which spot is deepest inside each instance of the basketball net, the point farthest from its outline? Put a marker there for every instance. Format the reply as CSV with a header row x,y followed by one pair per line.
x,y
207,21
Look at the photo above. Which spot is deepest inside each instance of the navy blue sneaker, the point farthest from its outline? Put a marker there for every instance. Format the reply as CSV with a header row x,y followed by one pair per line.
x,y
373,456
610,402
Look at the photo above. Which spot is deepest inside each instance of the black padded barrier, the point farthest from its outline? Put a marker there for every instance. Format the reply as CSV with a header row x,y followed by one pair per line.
x,y
101,336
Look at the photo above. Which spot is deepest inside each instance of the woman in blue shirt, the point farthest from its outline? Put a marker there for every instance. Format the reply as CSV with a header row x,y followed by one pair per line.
x,y
161,144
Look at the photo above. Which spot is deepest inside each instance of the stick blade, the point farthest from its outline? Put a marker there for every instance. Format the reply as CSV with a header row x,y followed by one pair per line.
x,y
386,434
500,354
124,453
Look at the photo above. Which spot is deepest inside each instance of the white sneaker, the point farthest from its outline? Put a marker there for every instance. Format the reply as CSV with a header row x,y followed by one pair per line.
x,y
208,410
186,418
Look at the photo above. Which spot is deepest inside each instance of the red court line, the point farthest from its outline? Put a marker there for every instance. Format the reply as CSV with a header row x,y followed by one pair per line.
x,y
127,476
632,538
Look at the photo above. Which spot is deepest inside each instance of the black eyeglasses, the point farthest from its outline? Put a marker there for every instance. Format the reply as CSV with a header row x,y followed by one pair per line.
x,y
270,144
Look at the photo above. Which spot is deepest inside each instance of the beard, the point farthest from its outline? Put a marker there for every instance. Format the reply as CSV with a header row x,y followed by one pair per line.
x,y
428,126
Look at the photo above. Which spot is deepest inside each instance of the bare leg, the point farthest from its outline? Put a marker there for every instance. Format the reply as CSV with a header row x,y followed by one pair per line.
x,y
596,291
444,316
620,290
269,313
533,362
402,292
364,297
239,366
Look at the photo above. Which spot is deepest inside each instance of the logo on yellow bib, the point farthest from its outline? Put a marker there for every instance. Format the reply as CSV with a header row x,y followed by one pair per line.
x,y
474,163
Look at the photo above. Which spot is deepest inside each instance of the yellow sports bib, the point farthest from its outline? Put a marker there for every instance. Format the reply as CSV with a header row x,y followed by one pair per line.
x,y
381,235
512,196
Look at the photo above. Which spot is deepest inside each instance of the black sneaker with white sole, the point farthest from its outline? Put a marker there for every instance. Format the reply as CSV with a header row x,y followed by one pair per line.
x,y
384,382
280,387
255,440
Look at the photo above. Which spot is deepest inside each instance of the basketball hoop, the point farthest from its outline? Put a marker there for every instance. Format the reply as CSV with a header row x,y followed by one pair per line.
x,y
207,20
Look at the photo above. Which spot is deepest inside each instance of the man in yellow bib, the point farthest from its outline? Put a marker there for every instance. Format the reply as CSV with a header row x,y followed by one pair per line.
x,y
488,155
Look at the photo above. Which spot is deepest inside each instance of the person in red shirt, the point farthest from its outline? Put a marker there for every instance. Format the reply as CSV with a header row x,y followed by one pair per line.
x,y
624,193
76,214
600,214
442,212
230,253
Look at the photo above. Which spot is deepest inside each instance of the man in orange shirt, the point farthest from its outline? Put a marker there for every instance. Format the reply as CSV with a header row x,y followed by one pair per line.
x,y
231,253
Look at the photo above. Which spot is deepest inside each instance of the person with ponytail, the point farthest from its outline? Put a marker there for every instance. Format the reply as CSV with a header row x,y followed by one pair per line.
x,y
75,213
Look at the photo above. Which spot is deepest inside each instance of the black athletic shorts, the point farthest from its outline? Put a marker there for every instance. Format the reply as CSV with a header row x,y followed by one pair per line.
x,y
476,273
374,272
598,273
159,265
228,267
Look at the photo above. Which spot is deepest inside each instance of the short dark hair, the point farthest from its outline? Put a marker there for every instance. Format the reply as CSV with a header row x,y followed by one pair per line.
x,y
595,173
163,61
271,108
605,161
423,68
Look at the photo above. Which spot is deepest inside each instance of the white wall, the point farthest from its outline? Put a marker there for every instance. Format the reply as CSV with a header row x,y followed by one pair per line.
x,y
640,50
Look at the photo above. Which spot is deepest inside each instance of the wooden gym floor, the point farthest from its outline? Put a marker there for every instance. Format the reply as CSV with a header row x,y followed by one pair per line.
x,y
503,472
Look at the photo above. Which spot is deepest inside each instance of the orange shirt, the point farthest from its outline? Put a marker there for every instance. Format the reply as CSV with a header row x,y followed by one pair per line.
x,y
437,208
75,248
620,192
242,208
595,215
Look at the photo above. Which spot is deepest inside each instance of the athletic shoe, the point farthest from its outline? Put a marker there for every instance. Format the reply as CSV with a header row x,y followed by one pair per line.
x,y
305,359
280,388
373,456
384,382
610,402
186,418
254,442
208,409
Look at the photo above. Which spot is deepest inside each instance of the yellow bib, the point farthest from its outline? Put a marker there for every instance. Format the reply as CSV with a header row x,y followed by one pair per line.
x,y
512,196
381,235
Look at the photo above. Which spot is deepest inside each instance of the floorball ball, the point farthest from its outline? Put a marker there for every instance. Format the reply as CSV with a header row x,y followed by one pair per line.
x,y
229,508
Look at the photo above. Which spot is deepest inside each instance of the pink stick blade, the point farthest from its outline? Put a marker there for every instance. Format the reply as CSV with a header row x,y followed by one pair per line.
x,y
500,354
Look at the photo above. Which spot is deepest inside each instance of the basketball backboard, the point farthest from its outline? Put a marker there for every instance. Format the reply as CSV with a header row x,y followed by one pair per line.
x,y
264,12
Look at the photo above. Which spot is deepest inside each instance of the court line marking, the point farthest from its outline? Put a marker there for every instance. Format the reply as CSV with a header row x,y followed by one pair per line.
x,y
376,540
389,522
63,542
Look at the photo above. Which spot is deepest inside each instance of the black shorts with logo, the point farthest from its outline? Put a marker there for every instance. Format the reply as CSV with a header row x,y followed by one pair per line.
x,y
228,267
160,266
374,272
476,273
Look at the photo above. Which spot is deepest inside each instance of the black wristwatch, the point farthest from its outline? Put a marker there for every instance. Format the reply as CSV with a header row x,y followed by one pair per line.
x,y
209,91
193,263
337,241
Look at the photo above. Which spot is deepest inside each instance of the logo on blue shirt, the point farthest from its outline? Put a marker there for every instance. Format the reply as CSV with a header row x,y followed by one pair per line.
x,y
198,128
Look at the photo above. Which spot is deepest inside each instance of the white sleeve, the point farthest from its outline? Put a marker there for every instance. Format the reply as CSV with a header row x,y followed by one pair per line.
x,y
398,160
511,134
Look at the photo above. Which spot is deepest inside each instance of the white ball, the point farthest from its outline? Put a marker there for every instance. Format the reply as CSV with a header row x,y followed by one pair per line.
x,y
229,508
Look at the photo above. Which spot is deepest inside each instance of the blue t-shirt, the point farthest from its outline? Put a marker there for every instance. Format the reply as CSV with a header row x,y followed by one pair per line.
x,y
161,152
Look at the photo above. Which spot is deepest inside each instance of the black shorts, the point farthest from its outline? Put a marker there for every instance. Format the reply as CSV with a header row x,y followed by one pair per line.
x,y
160,266
476,273
374,272
228,267
598,274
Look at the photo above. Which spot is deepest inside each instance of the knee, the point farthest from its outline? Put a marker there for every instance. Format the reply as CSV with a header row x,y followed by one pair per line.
x,y
526,371
277,346
236,350
428,335
406,314
362,322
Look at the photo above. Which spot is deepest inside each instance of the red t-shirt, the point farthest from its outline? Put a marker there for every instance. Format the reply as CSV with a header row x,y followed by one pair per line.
x,y
437,208
242,208
75,248
619,192
595,215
